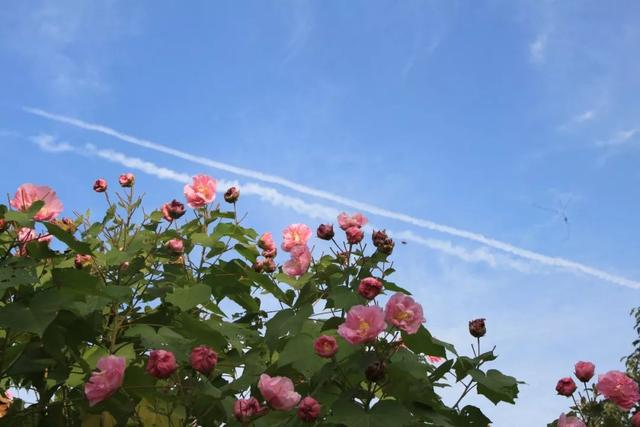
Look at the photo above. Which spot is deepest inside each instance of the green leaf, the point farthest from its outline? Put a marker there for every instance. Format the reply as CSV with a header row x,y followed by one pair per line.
x,y
68,239
25,218
423,342
495,386
188,297
298,352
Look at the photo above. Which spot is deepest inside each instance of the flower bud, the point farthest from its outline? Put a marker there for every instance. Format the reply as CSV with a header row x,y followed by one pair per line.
x,y
269,265
161,364
175,246
172,210
325,231
309,409
566,387
354,235
257,266
325,346
100,186
375,372
124,266
245,409
3,225
126,180
386,247
343,258
270,253
81,260
584,371
379,238
477,328
232,195
369,287
203,359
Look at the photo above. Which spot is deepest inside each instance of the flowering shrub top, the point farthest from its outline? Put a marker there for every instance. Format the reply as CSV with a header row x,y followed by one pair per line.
x,y
169,319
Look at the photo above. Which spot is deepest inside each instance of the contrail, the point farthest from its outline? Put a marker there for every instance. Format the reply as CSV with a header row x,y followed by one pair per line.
x,y
364,207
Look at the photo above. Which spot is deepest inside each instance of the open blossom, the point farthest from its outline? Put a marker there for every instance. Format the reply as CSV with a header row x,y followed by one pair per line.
x,y
565,421
295,235
404,313
161,364
619,388
565,386
354,235
278,392
172,210
201,191
309,409
356,220
106,381
299,262
369,287
584,371
203,359
29,193
325,346
245,409
363,324
26,235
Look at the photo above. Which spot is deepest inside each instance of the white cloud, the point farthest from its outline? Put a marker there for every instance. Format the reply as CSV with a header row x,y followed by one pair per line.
x,y
537,49
619,138
47,143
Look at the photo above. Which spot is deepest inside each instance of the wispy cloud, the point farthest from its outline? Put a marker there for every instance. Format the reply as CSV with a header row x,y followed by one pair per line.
x,y
619,138
537,49
272,196
47,143
557,262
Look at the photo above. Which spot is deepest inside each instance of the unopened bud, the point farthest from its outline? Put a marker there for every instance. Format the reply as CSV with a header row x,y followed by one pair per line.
x,y
477,328
126,180
81,260
325,231
257,266
172,210
269,265
387,246
354,235
375,372
379,238
232,195
100,186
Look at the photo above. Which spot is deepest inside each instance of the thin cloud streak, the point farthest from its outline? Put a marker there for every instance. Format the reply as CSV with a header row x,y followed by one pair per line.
x,y
311,210
374,210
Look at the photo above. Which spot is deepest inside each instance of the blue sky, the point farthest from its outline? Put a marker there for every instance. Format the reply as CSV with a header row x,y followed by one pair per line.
x,y
484,116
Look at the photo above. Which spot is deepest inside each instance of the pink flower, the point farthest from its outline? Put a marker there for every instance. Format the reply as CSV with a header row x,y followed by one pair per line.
x,y
266,242
354,235
363,324
584,371
299,262
404,313
81,260
172,210
278,392
295,235
245,409
29,193
161,364
309,409
203,359
175,246
565,421
106,381
619,388
201,192
325,346
565,386
26,235
356,220
369,287
100,186
435,359
126,180
635,420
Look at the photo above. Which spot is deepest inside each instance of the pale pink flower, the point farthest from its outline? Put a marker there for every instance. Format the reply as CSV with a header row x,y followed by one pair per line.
x,y
363,324
29,193
106,381
619,388
201,192
354,235
347,221
565,421
435,359
295,235
404,313
278,392
299,262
